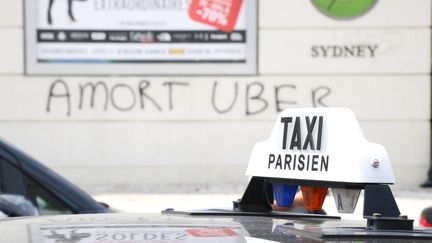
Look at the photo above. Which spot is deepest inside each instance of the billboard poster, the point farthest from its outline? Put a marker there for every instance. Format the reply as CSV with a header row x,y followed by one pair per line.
x,y
130,37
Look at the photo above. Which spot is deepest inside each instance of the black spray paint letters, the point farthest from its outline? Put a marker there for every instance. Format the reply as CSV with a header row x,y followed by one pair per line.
x,y
259,97
249,98
138,96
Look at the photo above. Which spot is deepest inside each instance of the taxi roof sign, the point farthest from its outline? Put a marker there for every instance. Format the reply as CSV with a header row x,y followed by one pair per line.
x,y
320,144
317,149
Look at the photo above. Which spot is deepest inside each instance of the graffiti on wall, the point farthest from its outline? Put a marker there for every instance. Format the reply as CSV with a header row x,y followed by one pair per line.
x,y
255,97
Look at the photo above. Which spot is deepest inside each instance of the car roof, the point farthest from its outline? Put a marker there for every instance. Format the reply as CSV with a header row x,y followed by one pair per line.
x,y
185,228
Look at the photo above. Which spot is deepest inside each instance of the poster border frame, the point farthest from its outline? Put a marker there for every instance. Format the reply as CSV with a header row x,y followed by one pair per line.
x,y
34,68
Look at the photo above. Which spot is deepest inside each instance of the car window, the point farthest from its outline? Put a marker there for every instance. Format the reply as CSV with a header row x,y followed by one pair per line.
x,y
45,201
13,181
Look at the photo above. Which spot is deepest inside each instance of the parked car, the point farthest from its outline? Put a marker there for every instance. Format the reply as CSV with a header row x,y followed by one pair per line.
x,y
49,192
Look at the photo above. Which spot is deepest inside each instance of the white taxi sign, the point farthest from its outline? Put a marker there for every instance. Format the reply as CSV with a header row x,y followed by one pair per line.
x,y
320,144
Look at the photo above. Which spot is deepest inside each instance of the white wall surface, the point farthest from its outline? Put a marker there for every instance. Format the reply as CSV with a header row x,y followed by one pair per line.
x,y
283,14
186,140
11,51
376,51
208,98
11,14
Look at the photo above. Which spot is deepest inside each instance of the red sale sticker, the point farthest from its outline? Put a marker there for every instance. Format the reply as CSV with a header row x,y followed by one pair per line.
x,y
211,232
221,14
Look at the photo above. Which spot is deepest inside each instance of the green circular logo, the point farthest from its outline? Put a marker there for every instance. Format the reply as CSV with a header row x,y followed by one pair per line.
x,y
344,9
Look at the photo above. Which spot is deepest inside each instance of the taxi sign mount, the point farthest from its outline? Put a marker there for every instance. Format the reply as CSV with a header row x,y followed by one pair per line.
x,y
317,149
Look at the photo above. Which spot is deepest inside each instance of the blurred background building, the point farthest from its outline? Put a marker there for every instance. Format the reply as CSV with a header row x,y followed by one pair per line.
x,y
144,93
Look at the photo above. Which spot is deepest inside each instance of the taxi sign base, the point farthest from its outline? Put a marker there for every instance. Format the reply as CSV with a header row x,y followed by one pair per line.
x,y
379,199
381,210
380,207
256,198
228,212
389,223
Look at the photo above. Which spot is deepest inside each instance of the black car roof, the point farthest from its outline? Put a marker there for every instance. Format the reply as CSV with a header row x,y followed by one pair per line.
x,y
118,227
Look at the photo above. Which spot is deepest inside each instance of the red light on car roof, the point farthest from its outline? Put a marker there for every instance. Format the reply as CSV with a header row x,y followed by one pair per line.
x,y
426,217
423,222
313,197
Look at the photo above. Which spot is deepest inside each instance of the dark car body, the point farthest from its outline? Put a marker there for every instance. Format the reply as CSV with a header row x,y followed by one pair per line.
x,y
140,228
23,175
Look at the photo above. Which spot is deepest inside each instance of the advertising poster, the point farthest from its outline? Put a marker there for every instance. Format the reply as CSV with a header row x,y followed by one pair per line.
x,y
130,37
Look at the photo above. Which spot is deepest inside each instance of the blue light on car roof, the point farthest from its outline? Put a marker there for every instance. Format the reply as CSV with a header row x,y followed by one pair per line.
x,y
284,194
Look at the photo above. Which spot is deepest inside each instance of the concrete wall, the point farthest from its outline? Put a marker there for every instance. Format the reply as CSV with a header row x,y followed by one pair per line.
x,y
203,131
